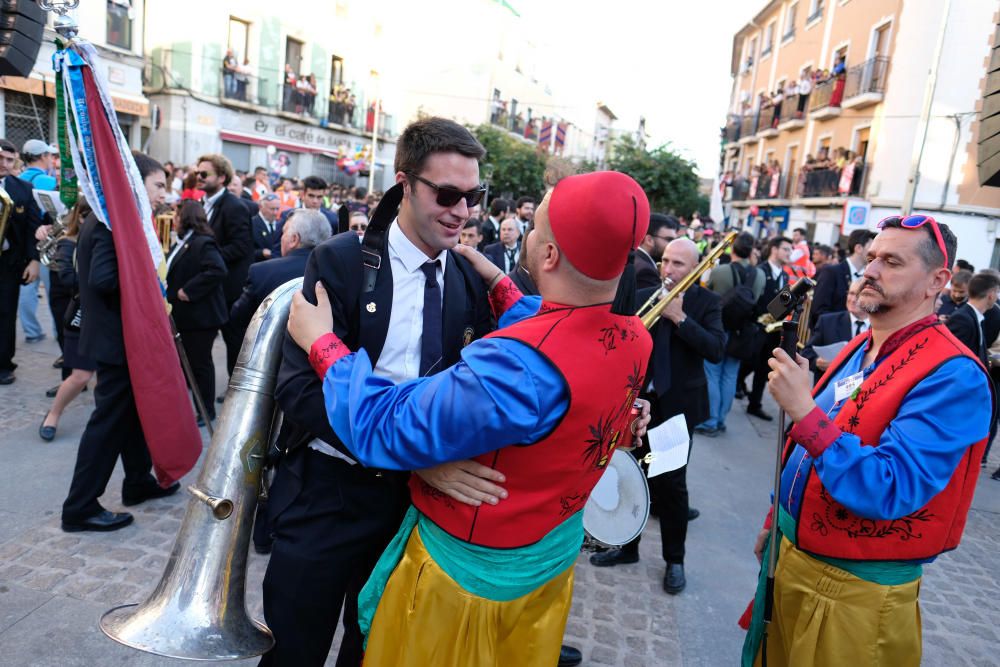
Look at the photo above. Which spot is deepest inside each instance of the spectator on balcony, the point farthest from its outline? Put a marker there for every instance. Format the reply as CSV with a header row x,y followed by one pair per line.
x,y
307,90
349,107
840,75
229,66
242,79
804,89
290,95
777,99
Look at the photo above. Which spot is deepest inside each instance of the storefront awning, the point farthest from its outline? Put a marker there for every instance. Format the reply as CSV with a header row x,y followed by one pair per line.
x,y
137,105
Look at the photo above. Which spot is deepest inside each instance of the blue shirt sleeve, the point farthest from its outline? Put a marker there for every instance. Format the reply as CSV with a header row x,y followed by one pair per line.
x,y
918,452
523,308
501,393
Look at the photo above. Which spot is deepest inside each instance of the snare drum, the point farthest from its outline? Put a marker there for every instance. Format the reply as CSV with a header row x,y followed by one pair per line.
x,y
618,507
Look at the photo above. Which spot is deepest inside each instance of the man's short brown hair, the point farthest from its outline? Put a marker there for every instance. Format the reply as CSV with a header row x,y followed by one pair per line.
x,y
221,164
433,135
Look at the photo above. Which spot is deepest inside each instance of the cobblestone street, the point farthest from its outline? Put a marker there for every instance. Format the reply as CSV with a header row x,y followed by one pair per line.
x,y
55,586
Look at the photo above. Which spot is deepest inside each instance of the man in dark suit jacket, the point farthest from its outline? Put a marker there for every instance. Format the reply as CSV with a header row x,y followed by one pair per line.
x,y
506,251
689,333
113,429
499,209
229,219
264,226
330,517
313,191
833,280
966,322
18,255
836,327
661,231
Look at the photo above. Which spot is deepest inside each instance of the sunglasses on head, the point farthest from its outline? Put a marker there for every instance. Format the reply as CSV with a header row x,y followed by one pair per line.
x,y
915,222
270,197
448,196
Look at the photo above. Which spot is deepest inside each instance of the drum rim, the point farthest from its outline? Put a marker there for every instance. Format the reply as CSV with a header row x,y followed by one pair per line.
x,y
645,514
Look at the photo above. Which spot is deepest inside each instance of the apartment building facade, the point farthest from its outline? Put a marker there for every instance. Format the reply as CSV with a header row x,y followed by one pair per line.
x,y
825,118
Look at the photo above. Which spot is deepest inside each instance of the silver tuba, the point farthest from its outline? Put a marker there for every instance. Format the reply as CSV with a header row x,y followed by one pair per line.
x,y
198,610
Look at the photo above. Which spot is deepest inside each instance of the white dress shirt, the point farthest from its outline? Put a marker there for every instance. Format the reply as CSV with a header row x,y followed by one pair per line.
x,y
177,248
210,202
865,324
400,357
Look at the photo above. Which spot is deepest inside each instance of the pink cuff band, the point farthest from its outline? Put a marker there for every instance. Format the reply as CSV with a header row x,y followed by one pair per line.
x,y
325,352
815,432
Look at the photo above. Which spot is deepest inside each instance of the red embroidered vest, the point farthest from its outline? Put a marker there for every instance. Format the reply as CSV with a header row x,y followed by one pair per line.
x,y
827,528
602,358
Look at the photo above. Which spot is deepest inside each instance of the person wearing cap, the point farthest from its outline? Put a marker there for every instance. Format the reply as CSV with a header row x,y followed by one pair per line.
x,y
19,262
555,387
879,468
38,156
39,160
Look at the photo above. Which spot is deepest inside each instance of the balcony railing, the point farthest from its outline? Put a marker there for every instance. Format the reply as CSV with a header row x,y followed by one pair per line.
x,y
243,87
834,182
821,95
793,108
868,77
748,127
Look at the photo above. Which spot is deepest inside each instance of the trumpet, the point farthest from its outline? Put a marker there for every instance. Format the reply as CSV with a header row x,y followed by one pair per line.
x,y
653,308
47,248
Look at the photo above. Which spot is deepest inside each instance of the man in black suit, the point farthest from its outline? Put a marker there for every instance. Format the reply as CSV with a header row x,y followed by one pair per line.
x,y
236,187
836,327
113,428
264,225
506,251
229,219
688,334
958,292
966,322
302,232
832,281
313,191
661,231
19,263
330,517
778,251
500,210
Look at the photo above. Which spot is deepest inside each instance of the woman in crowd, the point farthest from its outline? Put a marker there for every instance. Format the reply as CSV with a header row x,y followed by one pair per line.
x,y
195,271
77,369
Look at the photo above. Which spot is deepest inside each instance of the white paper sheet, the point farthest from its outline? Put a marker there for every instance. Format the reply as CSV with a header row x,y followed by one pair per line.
x,y
669,444
828,352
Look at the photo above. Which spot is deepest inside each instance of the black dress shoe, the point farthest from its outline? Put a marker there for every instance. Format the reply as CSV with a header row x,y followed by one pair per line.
x,y
613,557
51,393
674,581
7,378
220,399
134,498
740,394
46,433
693,514
996,475
759,414
58,362
569,656
104,521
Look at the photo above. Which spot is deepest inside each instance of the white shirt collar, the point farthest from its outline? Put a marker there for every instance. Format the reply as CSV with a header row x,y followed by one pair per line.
x,y
651,260
210,201
855,271
854,323
776,270
410,255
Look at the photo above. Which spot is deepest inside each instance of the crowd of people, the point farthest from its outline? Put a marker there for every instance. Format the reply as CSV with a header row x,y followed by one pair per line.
x,y
525,307
821,175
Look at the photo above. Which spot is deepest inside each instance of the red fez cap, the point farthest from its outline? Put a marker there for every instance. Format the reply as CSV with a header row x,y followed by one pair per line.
x,y
597,219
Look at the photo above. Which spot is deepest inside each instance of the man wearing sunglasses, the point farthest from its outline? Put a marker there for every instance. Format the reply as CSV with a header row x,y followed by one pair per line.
x,y
331,517
879,468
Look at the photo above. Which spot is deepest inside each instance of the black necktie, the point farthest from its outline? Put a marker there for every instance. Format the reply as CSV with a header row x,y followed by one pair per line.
x,y
511,258
430,340
857,327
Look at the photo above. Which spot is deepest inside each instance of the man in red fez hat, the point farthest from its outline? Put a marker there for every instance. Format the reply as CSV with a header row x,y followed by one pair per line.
x,y
555,386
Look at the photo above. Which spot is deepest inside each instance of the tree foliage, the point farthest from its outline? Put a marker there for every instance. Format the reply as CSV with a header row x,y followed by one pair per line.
x,y
670,181
518,168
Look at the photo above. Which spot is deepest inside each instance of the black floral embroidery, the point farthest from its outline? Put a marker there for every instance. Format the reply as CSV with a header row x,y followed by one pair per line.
x,y
572,504
437,495
599,445
319,356
837,517
614,334
862,396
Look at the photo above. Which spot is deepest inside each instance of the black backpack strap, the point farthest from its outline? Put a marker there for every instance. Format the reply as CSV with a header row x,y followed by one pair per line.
x,y
737,275
375,235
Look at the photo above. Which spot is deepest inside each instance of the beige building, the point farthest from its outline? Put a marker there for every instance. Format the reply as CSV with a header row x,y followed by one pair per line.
x,y
824,123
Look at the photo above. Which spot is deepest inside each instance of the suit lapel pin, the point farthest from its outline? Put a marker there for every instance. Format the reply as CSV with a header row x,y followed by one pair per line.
x,y
370,307
467,336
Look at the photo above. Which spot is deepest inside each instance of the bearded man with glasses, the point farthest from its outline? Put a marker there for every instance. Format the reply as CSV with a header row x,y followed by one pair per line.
x,y
879,468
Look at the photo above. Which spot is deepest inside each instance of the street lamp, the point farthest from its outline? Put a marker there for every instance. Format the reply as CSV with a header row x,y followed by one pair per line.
x,y
487,177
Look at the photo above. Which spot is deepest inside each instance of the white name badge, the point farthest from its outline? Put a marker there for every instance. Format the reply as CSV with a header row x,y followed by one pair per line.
x,y
844,387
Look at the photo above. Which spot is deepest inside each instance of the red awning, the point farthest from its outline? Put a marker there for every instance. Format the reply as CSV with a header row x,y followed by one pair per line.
x,y
257,140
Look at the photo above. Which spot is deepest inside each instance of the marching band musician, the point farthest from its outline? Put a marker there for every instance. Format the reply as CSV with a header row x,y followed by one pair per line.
x,y
330,517
556,384
688,334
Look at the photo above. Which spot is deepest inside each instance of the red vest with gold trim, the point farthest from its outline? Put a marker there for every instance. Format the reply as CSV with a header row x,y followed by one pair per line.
x,y
602,358
827,528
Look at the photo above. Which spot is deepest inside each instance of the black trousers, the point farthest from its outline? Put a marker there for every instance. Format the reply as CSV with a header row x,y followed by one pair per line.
x,y
232,336
10,290
669,498
112,431
761,369
330,521
57,305
198,347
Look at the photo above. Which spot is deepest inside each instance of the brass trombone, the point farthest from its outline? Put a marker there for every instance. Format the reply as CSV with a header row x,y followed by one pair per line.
x,y
653,308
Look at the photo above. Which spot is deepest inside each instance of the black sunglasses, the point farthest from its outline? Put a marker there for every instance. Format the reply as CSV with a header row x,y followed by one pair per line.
x,y
448,196
203,174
